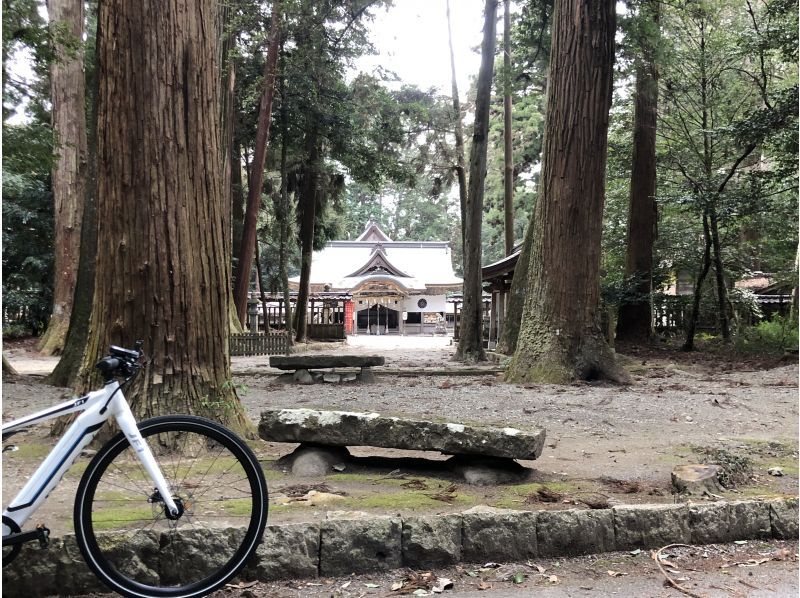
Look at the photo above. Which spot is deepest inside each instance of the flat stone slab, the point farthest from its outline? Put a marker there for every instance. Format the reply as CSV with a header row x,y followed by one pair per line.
x,y
341,428
310,362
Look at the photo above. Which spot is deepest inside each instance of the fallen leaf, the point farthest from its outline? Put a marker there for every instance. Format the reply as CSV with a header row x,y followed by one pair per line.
x,y
397,585
539,568
345,585
616,573
635,552
484,586
371,585
740,542
421,592
441,585
519,577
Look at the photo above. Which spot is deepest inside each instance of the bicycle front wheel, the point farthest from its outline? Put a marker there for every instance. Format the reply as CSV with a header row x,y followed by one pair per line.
x,y
135,546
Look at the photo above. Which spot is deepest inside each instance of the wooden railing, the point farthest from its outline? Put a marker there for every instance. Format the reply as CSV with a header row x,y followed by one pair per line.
x,y
251,343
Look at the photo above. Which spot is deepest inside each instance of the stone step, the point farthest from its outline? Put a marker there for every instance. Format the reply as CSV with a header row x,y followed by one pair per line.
x,y
341,428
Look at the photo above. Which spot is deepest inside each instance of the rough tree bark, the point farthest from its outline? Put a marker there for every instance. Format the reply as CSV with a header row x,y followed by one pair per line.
x,y
256,178
470,339
560,339
635,319
283,212
67,89
508,150
162,266
68,368
461,173
308,207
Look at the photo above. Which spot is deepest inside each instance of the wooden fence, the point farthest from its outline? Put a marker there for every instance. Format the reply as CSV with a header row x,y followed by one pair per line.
x,y
251,343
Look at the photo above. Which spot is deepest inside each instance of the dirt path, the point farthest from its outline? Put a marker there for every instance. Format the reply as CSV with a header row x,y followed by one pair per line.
x,y
618,442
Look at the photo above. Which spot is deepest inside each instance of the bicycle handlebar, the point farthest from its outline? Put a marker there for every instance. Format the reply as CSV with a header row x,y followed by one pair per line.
x,y
121,363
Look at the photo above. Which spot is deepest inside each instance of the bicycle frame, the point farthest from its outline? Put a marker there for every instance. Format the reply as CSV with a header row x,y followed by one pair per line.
x,y
97,406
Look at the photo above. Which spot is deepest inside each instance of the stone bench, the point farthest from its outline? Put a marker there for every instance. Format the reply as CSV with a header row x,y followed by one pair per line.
x,y
305,367
473,447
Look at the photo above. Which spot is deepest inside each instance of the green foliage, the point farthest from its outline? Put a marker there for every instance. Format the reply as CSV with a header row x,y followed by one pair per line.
x,y
530,50
770,337
27,226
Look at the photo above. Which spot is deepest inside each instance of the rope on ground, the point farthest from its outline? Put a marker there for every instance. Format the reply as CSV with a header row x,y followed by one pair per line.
x,y
673,583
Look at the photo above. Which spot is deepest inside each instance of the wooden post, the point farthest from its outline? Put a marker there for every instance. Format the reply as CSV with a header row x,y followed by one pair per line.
x,y
493,320
501,312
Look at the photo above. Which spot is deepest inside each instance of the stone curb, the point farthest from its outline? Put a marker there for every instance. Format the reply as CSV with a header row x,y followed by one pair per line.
x,y
363,544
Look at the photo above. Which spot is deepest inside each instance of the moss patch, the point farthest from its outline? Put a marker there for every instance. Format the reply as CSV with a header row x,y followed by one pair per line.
x,y
405,500
512,497
29,451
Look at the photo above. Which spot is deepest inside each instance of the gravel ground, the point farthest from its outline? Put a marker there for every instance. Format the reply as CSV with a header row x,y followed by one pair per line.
x,y
636,433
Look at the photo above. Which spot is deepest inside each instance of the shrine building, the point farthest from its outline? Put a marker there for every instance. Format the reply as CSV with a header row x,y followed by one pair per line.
x,y
388,287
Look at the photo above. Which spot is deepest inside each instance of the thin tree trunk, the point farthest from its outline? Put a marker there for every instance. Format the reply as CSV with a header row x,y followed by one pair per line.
x,y
719,270
461,174
470,339
635,320
308,203
261,294
67,89
560,339
508,151
257,168
688,344
162,260
237,202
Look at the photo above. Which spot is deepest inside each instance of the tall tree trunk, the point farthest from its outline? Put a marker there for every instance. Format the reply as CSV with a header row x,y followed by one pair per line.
x,y
560,339
67,89
705,266
162,265
283,211
257,168
470,338
461,174
508,150
308,206
635,321
69,365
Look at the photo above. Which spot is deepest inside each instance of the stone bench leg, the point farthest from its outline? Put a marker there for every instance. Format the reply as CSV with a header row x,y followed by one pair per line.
x,y
314,460
366,376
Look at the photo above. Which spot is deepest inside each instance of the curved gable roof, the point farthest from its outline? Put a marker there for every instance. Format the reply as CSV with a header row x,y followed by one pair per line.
x,y
378,263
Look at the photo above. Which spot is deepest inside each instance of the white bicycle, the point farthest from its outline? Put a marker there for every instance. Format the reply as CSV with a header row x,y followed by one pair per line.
x,y
150,496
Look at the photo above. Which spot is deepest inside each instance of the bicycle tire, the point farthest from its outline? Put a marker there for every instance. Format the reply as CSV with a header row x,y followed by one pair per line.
x,y
158,556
